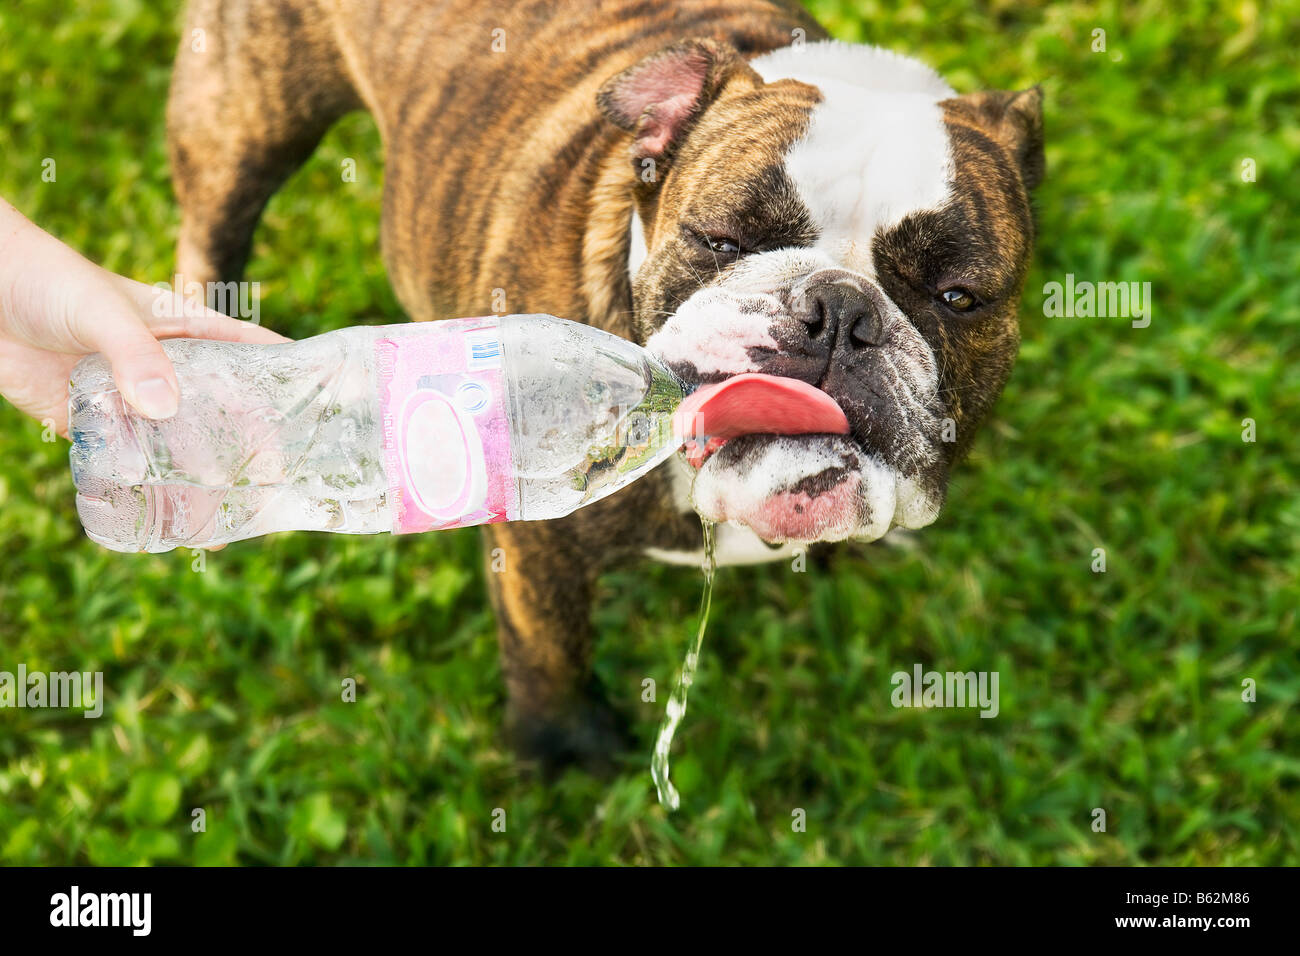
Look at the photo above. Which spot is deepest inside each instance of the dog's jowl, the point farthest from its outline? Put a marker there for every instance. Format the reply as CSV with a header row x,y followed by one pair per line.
x,y
713,179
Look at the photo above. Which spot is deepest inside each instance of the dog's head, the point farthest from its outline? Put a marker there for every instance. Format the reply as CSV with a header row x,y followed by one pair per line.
x,y
836,214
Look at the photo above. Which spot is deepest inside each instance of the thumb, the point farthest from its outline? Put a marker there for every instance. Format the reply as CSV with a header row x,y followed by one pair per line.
x,y
141,369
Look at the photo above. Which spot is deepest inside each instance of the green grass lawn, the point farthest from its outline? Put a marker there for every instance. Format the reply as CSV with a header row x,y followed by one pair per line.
x,y
1120,690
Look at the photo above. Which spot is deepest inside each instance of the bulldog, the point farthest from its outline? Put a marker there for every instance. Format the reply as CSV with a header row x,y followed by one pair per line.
x,y
715,179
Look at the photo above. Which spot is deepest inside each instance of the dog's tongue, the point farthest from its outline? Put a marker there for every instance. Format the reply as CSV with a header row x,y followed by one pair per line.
x,y
753,403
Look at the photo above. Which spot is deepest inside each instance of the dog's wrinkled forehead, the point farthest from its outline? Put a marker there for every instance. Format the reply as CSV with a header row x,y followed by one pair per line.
x,y
876,148
834,144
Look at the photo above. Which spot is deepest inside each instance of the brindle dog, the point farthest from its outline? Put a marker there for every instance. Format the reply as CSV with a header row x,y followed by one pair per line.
x,y
711,177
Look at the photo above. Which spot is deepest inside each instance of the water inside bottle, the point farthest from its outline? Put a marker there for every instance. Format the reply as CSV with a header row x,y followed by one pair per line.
x,y
589,413
668,795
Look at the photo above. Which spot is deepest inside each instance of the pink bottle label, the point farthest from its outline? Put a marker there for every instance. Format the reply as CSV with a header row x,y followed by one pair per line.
x,y
446,435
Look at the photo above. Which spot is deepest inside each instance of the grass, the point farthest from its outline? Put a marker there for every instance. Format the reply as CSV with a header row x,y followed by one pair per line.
x,y
1120,690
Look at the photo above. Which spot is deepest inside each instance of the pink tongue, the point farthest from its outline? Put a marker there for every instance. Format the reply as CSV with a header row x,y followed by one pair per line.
x,y
754,404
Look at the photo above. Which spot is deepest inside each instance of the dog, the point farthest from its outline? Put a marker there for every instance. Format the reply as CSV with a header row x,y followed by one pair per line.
x,y
715,179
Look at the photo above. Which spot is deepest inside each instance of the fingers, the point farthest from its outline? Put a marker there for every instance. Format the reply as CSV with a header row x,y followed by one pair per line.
x,y
127,327
63,303
170,315
214,325
142,371
55,301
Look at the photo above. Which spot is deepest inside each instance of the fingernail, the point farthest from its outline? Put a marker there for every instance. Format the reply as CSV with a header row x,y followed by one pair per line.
x,y
156,398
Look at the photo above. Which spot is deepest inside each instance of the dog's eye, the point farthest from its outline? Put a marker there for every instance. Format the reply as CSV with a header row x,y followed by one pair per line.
x,y
725,249
959,299
722,245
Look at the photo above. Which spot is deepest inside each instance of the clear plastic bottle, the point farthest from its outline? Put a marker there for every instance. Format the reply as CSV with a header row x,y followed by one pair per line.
x,y
400,428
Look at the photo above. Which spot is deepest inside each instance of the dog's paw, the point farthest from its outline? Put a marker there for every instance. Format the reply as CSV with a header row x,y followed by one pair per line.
x,y
589,734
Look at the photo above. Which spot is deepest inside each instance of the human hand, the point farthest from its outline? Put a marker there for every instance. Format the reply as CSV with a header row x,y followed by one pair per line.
x,y
56,307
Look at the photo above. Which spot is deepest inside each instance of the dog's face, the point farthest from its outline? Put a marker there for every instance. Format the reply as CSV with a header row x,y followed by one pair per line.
x,y
834,214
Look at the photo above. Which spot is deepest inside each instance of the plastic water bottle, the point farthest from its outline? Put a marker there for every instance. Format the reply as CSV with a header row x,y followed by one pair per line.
x,y
400,428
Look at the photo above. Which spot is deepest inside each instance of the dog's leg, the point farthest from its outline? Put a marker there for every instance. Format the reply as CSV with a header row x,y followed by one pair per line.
x,y
250,99
541,589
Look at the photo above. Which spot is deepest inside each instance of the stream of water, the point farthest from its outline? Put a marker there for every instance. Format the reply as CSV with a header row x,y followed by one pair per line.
x,y
668,795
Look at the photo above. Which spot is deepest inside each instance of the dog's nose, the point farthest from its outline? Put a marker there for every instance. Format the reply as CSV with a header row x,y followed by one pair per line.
x,y
836,310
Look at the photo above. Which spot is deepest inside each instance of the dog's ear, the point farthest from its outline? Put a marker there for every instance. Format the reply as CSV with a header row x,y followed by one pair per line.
x,y
1014,119
659,98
